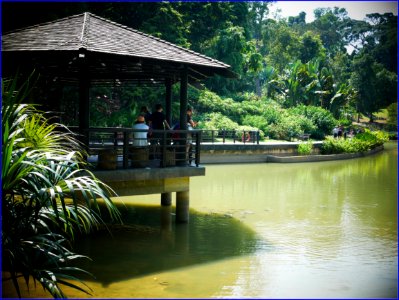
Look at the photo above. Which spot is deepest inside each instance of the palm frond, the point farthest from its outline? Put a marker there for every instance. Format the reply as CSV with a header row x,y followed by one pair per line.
x,y
47,198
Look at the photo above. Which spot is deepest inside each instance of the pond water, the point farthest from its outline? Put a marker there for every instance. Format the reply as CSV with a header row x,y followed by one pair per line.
x,y
306,230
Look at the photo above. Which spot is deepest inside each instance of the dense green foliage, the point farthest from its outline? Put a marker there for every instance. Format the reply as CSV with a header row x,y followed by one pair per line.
x,y
294,78
47,197
393,116
281,63
360,143
305,148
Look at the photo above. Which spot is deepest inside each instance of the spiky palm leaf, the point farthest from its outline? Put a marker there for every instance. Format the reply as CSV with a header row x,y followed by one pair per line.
x,y
46,196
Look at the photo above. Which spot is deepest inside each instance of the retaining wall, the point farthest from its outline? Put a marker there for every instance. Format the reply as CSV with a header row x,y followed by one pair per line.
x,y
278,153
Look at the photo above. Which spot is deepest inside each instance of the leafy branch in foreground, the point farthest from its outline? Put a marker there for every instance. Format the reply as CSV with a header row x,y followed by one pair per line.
x,y
46,196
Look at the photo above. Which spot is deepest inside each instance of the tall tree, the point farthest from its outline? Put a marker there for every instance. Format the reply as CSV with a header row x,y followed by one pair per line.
x,y
257,16
330,23
363,80
384,31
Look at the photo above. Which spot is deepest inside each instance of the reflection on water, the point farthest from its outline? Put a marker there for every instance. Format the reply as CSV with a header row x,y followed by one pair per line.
x,y
333,225
150,242
308,230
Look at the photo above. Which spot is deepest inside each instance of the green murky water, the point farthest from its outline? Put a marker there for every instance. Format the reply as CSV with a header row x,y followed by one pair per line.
x,y
325,230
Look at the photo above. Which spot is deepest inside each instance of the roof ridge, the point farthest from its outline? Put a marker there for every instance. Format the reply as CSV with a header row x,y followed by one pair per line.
x,y
85,30
158,39
44,23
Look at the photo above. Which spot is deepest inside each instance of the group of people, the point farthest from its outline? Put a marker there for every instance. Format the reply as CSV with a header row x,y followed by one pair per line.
x,y
339,132
148,124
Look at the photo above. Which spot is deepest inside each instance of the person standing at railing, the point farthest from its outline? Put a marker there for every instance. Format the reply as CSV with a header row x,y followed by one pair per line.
x,y
146,113
190,122
140,137
158,122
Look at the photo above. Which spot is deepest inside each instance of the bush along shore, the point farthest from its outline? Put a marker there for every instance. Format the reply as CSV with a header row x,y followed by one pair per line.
x,y
363,144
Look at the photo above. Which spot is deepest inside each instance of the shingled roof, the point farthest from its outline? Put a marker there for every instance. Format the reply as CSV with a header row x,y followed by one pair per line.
x,y
103,38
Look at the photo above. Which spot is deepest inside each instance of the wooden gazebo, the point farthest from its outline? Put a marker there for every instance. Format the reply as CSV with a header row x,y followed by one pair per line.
x,y
88,50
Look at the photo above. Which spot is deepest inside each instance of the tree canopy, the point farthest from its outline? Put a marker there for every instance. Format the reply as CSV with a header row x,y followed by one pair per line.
x,y
335,62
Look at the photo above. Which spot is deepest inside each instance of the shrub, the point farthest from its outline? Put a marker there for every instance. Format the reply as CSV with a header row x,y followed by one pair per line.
x,y
393,116
323,120
305,148
373,138
216,121
255,121
336,146
288,128
360,143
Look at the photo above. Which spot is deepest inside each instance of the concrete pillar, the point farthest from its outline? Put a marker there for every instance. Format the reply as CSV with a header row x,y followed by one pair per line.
x,y
166,199
182,206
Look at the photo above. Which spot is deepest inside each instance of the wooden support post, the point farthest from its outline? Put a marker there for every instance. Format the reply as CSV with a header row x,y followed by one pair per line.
x,y
183,98
181,159
84,104
166,199
182,206
125,149
168,101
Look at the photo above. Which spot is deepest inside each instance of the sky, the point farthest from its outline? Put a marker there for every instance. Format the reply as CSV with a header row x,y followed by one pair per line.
x,y
356,9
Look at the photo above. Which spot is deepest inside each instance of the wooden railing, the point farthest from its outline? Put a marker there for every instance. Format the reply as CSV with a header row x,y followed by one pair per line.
x,y
115,148
225,136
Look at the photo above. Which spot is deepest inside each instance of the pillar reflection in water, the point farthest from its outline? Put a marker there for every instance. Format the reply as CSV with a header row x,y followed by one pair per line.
x,y
166,226
182,206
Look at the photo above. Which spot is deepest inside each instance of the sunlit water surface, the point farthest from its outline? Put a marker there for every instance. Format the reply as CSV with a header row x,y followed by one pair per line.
x,y
325,230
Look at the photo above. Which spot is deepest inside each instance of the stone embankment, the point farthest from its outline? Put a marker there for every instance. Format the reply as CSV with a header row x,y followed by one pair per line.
x,y
270,153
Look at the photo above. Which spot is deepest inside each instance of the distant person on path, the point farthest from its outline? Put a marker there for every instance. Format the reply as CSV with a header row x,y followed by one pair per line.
x,y
340,131
246,137
335,132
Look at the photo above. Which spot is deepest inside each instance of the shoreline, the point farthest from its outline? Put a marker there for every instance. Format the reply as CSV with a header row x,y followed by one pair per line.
x,y
276,153
321,157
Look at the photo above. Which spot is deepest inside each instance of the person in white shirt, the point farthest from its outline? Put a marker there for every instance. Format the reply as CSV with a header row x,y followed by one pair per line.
x,y
140,137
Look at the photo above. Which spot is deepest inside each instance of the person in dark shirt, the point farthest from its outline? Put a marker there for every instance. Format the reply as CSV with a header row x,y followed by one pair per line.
x,y
158,122
158,119
146,113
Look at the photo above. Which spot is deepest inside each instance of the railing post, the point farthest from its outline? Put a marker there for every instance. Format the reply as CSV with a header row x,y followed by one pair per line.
x,y
257,137
224,136
213,136
125,149
198,148
234,136
163,154
116,140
